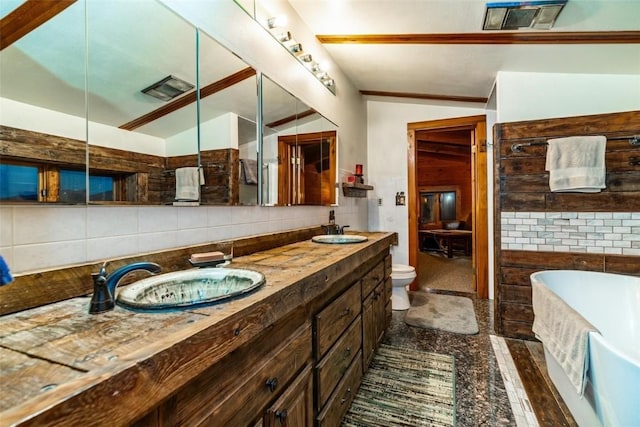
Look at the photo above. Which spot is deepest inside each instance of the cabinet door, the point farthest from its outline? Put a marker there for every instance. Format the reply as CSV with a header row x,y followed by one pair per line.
x,y
380,314
295,406
369,336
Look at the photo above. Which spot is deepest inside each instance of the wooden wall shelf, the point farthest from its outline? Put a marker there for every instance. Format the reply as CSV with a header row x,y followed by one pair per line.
x,y
355,190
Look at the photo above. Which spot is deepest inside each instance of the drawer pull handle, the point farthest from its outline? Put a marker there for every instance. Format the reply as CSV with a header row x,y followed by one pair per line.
x,y
272,383
346,312
347,351
281,415
346,395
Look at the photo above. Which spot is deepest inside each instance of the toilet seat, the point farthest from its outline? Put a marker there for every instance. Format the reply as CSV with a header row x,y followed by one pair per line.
x,y
401,276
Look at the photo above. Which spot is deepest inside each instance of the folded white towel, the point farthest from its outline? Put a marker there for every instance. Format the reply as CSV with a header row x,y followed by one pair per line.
x,y
564,333
576,164
188,182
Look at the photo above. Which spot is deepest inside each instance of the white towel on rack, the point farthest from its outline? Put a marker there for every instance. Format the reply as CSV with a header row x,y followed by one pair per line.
x,y
188,182
576,164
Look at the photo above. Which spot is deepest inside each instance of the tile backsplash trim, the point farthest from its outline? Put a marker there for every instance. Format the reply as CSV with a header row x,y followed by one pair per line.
x,y
41,238
578,232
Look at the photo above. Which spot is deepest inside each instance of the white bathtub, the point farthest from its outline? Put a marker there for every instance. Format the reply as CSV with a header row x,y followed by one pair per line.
x,y
611,303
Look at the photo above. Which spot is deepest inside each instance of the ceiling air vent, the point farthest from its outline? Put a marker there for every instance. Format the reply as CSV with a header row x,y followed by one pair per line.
x,y
538,15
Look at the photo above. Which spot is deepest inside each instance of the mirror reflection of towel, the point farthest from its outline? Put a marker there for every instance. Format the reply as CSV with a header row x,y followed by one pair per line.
x,y
576,164
248,171
188,182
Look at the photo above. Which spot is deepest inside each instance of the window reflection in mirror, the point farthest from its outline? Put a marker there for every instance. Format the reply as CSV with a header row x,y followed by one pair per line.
x,y
42,99
136,141
299,151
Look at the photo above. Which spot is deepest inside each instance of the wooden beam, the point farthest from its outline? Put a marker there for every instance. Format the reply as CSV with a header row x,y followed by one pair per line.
x,y
27,17
189,98
538,37
290,118
425,96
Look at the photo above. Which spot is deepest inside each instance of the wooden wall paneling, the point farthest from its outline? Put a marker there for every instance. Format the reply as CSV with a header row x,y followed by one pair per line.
x,y
522,185
36,146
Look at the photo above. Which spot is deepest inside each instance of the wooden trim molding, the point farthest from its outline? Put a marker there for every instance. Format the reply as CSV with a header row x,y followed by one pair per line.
x,y
27,17
537,37
189,98
478,99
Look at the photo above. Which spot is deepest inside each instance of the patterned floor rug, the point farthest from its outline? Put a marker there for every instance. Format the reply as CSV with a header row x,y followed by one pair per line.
x,y
405,387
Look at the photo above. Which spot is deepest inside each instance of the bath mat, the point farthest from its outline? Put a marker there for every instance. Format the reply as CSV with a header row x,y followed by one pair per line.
x,y
405,387
444,312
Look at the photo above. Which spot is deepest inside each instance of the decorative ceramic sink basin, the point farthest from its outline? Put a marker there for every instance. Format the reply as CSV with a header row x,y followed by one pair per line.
x,y
182,289
339,238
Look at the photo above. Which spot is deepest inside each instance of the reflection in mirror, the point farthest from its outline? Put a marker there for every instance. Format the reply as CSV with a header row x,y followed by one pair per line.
x,y
141,148
298,152
131,134
42,125
228,131
166,104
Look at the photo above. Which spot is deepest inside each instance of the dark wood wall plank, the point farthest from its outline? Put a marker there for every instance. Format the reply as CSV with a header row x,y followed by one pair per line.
x,y
522,186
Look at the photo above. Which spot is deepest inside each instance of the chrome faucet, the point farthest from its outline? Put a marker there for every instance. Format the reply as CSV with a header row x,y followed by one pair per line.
x,y
104,286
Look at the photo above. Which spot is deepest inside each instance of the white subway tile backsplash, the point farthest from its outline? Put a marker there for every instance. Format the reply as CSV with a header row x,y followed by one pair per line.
x,y
151,242
192,217
157,218
105,248
6,226
32,225
39,257
592,232
108,221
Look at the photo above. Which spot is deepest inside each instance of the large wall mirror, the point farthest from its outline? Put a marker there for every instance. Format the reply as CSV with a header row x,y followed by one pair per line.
x,y
148,128
43,109
299,149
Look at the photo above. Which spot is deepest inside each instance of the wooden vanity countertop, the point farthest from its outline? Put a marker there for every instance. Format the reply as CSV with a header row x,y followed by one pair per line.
x,y
61,365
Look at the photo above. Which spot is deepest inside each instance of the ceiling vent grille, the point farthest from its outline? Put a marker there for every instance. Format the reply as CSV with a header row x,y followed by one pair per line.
x,y
538,15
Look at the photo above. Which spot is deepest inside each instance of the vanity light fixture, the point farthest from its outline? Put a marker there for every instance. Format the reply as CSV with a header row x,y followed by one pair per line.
x,y
283,36
168,88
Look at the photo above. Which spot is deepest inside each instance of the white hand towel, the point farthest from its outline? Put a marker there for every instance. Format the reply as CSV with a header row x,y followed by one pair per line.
x,y
188,181
576,164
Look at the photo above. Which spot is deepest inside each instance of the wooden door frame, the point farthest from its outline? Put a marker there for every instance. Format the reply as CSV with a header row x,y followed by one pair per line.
x,y
284,144
480,251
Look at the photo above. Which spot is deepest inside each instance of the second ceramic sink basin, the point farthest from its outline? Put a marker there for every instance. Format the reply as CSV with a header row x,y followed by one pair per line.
x,y
339,238
183,289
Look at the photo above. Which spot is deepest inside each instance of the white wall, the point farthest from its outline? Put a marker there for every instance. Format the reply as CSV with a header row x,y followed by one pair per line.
x,y
45,237
387,162
532,96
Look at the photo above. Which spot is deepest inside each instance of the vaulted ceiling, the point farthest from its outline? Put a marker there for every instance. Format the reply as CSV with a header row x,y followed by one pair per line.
x,y
436,49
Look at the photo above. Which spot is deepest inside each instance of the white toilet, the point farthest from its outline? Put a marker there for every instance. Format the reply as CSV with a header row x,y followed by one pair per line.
x,y
401,276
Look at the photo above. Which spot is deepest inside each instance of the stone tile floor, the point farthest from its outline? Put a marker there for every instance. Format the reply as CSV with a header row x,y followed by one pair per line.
x,y
482,399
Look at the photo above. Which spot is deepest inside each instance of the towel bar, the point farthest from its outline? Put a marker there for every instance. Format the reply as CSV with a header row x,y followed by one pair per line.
x,y
517,147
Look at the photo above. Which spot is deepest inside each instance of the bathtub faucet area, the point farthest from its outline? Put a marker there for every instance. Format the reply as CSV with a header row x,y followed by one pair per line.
x,y
104,285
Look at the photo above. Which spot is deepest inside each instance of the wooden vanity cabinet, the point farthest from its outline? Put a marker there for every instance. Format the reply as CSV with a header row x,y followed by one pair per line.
x,y
376,306
241,388
295,405
297,373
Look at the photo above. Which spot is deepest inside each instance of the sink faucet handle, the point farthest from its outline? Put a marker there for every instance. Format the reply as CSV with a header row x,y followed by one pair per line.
x,y
342,228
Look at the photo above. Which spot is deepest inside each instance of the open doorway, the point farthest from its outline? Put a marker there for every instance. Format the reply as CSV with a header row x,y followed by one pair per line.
x,y
447,201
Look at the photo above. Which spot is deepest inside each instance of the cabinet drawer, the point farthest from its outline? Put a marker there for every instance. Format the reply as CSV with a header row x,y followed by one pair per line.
x,y
333,366
332,321
372,278
341,399
254,382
